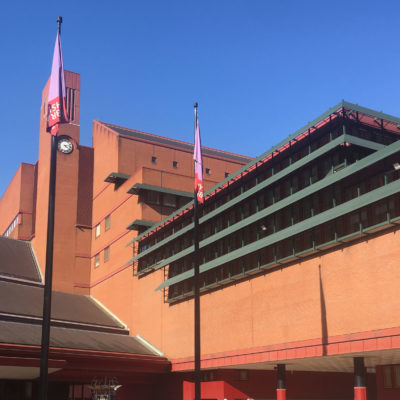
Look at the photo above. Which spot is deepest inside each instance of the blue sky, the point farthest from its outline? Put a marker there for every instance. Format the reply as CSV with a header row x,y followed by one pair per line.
x,y
260,69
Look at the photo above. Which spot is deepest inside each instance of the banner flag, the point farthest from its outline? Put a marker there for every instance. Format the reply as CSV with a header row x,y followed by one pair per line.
x,y
198,166
56,110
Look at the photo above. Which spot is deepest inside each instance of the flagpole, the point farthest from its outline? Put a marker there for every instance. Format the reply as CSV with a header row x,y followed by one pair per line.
x,y
44,353
197,373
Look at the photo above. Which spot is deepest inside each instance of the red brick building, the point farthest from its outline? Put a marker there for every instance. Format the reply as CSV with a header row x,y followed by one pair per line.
x,y
298,266
105,195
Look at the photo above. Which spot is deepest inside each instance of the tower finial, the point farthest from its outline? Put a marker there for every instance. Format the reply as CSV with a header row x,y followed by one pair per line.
x,y
59,22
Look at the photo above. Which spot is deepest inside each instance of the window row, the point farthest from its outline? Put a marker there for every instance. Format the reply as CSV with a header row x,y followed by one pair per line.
x,y
373,135
175,164
391,376
286,187
163,199
106,256
281,161
297,151
286,250
107,225
312,173
289,216
304,209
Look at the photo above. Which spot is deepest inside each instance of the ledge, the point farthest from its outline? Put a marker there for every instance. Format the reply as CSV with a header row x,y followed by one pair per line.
x,y
117,178
139,223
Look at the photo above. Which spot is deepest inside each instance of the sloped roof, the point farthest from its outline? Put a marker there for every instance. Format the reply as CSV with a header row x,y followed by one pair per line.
x,y
23,300
67,338
164,141
78,321
17,260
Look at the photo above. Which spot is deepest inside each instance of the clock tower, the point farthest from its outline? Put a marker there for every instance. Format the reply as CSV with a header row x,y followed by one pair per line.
x,y
72,221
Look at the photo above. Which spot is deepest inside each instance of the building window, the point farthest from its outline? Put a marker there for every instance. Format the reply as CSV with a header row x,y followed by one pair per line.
x,y
70,104
153,197
107,222
97,230
175,164
169,200
208,171
208,376
226,174
106,253
182,201
154,159
243,375
17,220
97,260
397,376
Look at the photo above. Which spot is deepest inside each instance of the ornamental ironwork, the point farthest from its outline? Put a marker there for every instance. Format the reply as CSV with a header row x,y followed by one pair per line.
x,y
104,388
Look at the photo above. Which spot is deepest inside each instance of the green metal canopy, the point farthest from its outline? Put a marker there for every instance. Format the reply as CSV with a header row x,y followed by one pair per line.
x,y
140,223
116,177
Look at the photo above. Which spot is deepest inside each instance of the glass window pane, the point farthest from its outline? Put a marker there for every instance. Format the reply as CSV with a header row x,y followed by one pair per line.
x,y
286,188
153,197
169,200
108,222
364,218
305,177
296,213
354,223
107,253
269,198
314,173
277,193
327,199
394,207
397,376
380,213
306,208
295,184
316,204
387,377
326,166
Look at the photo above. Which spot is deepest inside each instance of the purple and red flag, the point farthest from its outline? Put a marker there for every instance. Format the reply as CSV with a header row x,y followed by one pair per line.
x,y
198,166
56,111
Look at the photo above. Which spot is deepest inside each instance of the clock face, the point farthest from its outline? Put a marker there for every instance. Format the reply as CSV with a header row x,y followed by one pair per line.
x,y
65,145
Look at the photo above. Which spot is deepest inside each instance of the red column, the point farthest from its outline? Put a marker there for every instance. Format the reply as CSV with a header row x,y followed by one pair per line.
x,y
360,393
280,394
